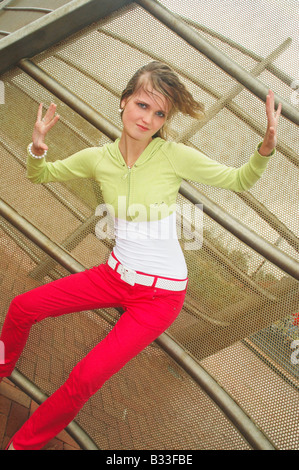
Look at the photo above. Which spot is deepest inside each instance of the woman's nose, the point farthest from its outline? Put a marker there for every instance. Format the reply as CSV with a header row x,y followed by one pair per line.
x,y
147,117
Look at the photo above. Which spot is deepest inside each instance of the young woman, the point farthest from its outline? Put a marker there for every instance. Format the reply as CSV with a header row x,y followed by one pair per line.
x,y
146,273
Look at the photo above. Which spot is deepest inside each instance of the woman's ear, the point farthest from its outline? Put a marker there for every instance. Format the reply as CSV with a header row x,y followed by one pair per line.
x,y
123,103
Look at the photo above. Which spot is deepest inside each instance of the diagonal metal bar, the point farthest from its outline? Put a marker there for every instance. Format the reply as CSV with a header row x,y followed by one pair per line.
x,y
270,67
59,56
283,148
231,94
51,188
34,392
69,244
53,27
69,98
37,9
4,4
222,259
281,228
234,108
31,251
223,61
271,219
242,232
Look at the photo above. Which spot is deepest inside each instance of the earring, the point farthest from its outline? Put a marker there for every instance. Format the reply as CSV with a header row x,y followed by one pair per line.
x,y
120,110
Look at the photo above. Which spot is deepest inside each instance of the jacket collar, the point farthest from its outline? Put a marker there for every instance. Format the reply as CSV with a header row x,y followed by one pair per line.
x,y
148,152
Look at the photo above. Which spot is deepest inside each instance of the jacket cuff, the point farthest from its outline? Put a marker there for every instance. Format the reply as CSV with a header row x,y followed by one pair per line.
x,y
265,156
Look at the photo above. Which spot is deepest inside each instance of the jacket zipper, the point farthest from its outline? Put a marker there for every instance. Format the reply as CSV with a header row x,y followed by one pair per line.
x,y
129,188
127,176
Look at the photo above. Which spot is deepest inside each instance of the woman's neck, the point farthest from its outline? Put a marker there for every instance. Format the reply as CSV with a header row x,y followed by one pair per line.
x,y
131,149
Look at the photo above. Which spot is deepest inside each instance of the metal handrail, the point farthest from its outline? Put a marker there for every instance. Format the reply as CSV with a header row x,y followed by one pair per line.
x,y
34,9
284,77
69,98
232,92
34,392
51,28
248,429
273,254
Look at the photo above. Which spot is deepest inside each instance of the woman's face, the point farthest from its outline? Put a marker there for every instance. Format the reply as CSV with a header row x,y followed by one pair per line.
x,y
144,113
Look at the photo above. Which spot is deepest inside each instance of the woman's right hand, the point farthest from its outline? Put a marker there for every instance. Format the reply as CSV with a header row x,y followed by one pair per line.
x,y
42,127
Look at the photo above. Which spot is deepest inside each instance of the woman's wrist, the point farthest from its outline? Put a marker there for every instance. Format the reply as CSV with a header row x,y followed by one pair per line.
x,y
264,150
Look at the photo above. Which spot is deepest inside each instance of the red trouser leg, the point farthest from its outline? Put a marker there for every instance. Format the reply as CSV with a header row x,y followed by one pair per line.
x,y
148,313
73,293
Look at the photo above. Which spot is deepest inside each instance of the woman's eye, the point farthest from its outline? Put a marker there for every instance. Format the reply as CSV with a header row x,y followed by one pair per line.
x,y
145,106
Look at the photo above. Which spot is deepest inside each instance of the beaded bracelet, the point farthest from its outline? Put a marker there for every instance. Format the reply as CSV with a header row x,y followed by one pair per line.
x,y
32,154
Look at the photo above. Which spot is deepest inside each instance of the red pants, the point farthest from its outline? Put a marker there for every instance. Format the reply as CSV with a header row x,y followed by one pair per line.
x,y
148,312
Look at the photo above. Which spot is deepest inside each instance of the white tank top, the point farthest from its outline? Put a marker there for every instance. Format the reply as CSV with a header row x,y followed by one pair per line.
x,y
150,247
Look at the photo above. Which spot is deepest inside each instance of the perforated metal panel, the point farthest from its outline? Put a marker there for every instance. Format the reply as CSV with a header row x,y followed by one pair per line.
x,y
238,318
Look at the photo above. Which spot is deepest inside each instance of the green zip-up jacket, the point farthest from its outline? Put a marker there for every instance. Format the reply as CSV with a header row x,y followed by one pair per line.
x,y
155,178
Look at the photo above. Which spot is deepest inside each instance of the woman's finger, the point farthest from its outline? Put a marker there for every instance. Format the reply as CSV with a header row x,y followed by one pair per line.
x,y
40,112
52,122
278,112
50,113
270,104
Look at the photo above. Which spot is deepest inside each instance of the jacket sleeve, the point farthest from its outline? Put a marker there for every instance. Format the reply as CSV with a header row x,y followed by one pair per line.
x,y
79,165
190,164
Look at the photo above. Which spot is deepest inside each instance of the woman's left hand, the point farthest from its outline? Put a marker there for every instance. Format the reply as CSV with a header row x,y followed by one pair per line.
x,y
270,139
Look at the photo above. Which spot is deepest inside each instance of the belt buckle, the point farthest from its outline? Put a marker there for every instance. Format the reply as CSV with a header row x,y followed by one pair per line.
x,y
128,275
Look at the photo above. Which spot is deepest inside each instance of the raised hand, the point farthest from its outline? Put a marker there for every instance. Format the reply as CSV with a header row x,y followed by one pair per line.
x,y
42,127
270,139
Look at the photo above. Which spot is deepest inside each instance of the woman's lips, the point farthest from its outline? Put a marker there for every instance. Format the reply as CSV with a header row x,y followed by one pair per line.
x,y
142,127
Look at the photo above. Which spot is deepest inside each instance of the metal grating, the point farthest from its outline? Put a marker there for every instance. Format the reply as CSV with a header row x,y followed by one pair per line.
x,y
234,293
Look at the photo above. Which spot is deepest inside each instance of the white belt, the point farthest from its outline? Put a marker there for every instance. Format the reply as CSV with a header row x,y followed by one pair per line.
x,y
132,277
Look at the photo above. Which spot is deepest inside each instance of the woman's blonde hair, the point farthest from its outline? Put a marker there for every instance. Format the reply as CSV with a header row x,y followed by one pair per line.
x,y
164,80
